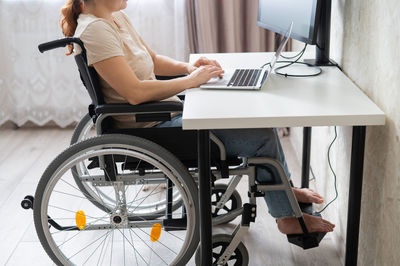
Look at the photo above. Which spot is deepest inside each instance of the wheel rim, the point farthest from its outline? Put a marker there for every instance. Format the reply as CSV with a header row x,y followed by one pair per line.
x,y
86,129
57,245
229,206
219,248
151,210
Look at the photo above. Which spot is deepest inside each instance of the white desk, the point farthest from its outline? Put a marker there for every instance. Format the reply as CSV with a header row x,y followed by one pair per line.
x,y
326,100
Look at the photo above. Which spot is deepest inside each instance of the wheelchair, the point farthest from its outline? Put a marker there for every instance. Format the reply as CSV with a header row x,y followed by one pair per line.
x,y
90,207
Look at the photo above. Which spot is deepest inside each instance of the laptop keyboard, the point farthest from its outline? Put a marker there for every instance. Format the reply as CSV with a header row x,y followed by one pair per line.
x,y
245,77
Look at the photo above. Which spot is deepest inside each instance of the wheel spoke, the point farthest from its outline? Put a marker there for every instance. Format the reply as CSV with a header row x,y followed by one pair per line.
x,y
226,208
102,248
102,242
91,243
132,245
149,247
111,250
157,241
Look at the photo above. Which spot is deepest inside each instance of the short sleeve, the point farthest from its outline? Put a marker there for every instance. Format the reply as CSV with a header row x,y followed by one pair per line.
x,y
101,42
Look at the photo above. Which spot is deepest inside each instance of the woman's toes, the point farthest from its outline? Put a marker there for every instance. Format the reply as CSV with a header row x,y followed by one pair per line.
x,y
318,200
307,195
329,225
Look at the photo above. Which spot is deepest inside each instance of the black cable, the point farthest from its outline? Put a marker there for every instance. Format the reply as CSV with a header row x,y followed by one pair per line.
x,y
299,56
292,57
333,172
312,173
295,75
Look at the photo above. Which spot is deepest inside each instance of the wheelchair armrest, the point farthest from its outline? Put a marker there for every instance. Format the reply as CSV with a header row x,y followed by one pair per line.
x,y
146,112
169,77
152,107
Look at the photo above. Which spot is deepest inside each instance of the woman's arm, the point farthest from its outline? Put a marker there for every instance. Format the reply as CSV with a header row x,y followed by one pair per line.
x,y
117,73
166,66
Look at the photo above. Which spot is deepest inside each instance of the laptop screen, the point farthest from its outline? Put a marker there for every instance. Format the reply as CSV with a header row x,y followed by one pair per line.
x,y
281,46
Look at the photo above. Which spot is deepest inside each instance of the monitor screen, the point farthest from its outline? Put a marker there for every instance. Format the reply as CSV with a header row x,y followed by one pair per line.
x,y
276,15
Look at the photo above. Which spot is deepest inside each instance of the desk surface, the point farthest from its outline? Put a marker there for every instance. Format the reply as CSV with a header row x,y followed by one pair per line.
x,y
328,99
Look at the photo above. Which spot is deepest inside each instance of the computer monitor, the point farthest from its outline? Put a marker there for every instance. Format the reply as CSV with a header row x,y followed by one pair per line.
x,y
311,22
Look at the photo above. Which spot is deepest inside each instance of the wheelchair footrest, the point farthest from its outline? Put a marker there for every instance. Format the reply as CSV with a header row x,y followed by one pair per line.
x,y
306,241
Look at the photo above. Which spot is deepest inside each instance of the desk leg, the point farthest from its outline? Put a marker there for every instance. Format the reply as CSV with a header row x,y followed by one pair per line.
x,y
203,140
305,165
354,208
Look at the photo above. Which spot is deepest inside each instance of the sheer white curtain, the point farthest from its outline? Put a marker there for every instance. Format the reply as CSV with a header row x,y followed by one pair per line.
x,y
46,87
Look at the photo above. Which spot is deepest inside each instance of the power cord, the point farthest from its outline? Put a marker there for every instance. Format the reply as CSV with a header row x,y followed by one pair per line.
x,y
313,175
296,61
333,172
299,54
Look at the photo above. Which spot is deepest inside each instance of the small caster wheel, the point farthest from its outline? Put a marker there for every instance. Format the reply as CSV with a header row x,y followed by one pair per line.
x,y
240,257
27,202
224,215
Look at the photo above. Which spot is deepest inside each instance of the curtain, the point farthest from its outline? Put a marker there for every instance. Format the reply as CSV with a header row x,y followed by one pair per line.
x,y
46,87
227,26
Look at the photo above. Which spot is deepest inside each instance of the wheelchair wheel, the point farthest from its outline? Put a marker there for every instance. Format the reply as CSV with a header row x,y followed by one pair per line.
x,y
224,215
85,130
75,232
240,257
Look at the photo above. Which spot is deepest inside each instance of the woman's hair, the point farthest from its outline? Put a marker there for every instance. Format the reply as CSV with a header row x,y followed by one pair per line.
x,y
69,18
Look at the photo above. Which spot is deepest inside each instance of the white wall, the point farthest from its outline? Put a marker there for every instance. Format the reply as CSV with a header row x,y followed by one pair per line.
x,y
365,38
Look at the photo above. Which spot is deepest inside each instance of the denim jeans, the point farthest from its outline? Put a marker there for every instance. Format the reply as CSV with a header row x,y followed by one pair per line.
x,y
260,142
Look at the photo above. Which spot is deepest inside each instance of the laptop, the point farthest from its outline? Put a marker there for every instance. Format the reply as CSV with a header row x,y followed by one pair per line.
x,y
247,79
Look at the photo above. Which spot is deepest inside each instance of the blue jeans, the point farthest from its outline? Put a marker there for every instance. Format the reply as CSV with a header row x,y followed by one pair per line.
x,y
260,142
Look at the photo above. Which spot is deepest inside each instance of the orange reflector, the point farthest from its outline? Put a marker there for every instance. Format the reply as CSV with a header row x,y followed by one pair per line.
x,y
80,219
155,232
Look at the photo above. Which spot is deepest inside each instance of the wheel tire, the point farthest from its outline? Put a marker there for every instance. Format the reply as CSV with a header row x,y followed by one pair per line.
x,y
241,253
236,203
80,128
115,140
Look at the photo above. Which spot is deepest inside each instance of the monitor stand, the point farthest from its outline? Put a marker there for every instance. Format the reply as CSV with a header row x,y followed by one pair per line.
x,y
316,62
323,38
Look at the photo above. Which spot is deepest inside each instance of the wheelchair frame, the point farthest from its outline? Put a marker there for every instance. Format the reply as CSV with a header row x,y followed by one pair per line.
x,y
161,111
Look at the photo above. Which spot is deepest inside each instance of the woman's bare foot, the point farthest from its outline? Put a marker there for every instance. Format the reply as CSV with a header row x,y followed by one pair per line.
x,y
313,223
307,195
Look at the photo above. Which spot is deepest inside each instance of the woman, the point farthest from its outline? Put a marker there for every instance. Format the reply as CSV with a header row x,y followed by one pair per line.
x,y
127,69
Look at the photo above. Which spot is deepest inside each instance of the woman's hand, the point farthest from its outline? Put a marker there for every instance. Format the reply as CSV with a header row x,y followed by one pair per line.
x,y
203,74
203,61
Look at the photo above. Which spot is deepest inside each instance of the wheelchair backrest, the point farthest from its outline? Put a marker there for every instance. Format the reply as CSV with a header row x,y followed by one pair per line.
x,y
88,74
89,78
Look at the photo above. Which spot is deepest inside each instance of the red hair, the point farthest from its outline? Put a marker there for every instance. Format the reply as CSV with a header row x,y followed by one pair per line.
x,y
69,19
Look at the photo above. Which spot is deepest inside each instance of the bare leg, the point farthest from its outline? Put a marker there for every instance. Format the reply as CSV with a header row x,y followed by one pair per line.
x,y
314,224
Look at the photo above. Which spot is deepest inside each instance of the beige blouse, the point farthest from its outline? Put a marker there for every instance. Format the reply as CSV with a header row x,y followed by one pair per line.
x,y
103,40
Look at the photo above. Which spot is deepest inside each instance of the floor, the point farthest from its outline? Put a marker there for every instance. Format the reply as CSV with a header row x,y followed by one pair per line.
x,y
25,154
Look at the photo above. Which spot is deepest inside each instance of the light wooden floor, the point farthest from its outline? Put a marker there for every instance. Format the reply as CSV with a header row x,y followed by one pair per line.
x,y
24,155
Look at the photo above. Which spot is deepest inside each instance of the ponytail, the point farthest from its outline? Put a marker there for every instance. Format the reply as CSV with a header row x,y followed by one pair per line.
x,y
69,19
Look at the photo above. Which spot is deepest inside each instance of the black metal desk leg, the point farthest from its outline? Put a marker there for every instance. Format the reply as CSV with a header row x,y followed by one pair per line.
x,y
356,180
305,164
203,140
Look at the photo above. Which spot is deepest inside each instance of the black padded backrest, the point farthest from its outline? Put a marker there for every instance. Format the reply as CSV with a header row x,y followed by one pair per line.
x,y
89,78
